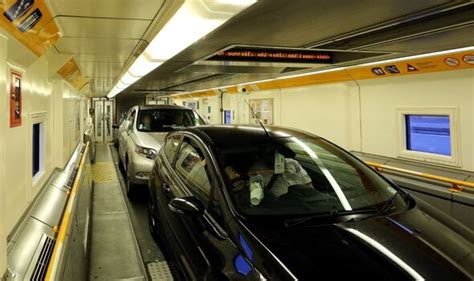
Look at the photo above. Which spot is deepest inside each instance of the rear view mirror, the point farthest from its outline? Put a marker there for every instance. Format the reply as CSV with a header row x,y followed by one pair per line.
x,y
186,206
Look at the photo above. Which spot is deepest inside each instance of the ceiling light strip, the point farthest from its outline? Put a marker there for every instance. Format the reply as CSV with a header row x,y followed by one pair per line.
x,y
193,21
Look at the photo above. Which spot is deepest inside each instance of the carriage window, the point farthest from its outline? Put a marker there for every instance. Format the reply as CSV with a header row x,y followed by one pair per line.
x,y
428,133
36,148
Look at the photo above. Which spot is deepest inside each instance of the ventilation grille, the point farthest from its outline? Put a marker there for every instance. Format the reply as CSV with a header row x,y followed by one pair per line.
x,y
41,266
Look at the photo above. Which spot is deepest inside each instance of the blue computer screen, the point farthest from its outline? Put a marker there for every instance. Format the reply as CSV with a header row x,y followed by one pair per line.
x,y
428,133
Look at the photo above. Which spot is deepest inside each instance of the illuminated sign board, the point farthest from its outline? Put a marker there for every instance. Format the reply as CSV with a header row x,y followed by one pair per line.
x,y
251,54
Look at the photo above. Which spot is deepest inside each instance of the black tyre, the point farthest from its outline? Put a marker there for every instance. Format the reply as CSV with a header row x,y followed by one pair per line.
x,y
152,219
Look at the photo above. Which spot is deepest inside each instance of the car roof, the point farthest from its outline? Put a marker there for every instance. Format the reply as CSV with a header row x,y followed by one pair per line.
x,y
228,136
163,106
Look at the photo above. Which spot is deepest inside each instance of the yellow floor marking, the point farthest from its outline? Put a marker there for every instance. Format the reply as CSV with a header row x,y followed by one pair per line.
x,y
104,172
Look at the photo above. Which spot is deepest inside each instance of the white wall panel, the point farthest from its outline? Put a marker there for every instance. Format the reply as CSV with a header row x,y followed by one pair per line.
x,y
361,115
3,126
37,99
381,97
58,124
326,110
212,104
36,94
15,161
41,98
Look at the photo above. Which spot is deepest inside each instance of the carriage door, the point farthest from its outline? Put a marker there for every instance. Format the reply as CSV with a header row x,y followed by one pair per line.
x,y
103,120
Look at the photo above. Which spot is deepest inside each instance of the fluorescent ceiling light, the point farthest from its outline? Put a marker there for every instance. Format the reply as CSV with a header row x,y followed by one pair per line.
x,y
193,21
120,86
237,2
142,66
129,79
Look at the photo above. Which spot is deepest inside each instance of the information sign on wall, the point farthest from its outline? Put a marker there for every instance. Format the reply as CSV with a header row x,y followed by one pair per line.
x,y
193,104
15,99
263,110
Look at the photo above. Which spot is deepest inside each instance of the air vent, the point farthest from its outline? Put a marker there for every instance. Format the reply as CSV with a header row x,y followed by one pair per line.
x,y
45,249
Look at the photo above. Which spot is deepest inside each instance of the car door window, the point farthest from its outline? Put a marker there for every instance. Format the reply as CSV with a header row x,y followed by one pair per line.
x,y
214,207
171,146
192,166
131,115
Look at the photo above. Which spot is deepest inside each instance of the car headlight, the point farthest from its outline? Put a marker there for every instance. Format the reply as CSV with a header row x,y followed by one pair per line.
x,y
149,153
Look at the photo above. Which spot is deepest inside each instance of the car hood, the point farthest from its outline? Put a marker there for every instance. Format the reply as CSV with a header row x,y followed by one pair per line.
x,y
150,140
409,245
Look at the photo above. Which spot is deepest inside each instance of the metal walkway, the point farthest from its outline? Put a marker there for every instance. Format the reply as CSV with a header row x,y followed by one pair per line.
x,y
121,245
114,250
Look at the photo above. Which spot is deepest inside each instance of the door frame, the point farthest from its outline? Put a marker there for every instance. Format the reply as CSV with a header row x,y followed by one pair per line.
x,y
103,102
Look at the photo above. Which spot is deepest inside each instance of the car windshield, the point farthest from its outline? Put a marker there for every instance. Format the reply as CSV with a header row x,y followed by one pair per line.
x,y
294,176
165,120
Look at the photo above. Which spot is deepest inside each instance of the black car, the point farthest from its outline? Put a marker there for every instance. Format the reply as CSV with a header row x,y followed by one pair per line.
x,y
238,202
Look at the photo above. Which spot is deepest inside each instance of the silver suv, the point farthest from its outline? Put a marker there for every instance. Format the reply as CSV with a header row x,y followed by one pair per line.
x,y
141,135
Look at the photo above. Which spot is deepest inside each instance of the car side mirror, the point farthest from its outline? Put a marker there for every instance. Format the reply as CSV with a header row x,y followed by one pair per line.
x,y
127,125
190,206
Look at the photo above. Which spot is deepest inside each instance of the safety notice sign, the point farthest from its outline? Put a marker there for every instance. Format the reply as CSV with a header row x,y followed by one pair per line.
x,y
411,68
468,59
378,71
392,69
451,61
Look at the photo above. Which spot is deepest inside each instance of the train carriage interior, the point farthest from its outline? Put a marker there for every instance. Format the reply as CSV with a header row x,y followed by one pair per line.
x,y
236,139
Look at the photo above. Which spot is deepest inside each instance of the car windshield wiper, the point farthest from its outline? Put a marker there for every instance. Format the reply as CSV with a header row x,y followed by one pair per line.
x,y
387,206
331,214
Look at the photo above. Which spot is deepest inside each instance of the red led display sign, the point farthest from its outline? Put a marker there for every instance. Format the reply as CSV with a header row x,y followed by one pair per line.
x,y
273,55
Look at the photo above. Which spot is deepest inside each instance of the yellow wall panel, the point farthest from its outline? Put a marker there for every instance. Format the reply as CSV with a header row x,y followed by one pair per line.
x,y
456,61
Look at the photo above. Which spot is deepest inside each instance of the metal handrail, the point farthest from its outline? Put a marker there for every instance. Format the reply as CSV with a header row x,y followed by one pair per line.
x,y
457,185
66,220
